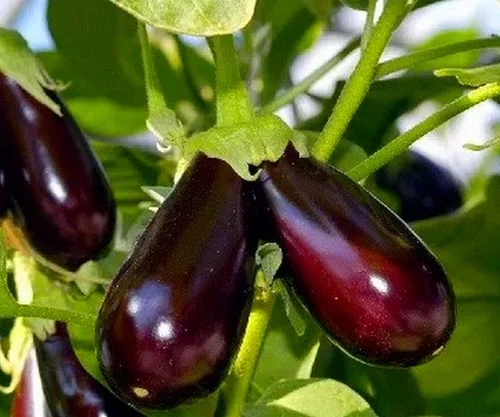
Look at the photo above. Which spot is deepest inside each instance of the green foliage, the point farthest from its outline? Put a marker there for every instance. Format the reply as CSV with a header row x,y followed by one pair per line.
x,y
18,62
112,92
193,17
464,59
245,144
473,77
312,398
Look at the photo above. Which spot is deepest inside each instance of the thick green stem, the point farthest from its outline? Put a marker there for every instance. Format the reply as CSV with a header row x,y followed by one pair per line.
x,y
232,101
359,83
238,381
401,143
420,57
307,82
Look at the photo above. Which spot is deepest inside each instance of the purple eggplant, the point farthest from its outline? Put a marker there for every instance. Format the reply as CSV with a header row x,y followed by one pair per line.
x,y
371,283
60,195
174,315
69,390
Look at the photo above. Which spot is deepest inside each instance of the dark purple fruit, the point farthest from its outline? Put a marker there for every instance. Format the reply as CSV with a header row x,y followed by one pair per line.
x,y
29,400
69,390
368,279
4,195
174,316
59,192
425,189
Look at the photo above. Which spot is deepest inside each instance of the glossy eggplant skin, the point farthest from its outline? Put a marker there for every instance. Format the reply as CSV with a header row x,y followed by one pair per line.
x,y
362,273
69,390
4,195
60,195
175,314
425,189
29,400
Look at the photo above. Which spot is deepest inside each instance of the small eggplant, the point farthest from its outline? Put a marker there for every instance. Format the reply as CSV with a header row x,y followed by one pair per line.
x,y
29,400
4,195
425,189
69,390
59,193
175,314
363,274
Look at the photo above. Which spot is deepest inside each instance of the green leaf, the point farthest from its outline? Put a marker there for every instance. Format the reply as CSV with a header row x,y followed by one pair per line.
x,y
18,62
269,257
489,144
295,312
473,77
284,354
162,121
263,138
321,8
193,17
287,42
463,59
128,170
310,398
98,44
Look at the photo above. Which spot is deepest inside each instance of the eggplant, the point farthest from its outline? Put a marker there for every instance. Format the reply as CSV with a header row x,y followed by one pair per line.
x,y
29,400
4,195
69,390
59,192
174,315
371,283
424,188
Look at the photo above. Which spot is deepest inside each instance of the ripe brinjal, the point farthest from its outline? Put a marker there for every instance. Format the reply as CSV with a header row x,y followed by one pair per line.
x,y
173,317
362,273
425,189
69,390
29,400
60,195
4,195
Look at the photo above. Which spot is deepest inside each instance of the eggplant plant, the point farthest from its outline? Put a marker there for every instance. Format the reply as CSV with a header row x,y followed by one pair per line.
x,y
173,244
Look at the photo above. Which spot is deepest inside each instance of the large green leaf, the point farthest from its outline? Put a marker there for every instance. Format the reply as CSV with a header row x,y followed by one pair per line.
x,y
99,43
284,354
310,398
192,17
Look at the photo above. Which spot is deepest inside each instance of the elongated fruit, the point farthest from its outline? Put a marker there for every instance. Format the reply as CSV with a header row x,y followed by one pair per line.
x,y
69,390
29,400
60,195
425,189
4,195
173,317
367,278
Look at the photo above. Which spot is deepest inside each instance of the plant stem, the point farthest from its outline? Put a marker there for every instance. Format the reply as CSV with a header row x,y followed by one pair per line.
x,y
307,82
26,310
401,143
420,57
360,80
370,18
232,101
238,381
